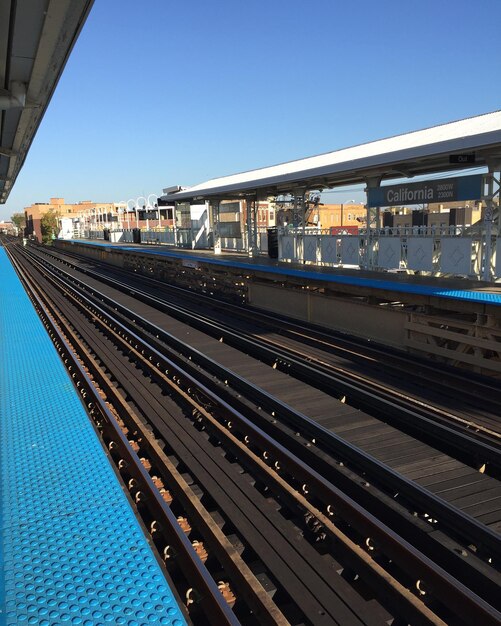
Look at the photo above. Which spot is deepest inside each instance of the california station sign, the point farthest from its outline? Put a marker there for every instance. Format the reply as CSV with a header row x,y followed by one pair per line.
x,y
440,190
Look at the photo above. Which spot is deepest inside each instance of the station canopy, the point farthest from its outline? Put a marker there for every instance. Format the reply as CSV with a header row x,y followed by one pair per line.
x,y
472,142
36,39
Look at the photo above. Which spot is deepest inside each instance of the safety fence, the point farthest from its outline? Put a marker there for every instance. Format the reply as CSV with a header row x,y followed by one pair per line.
x,y
448,250
180,237
422,249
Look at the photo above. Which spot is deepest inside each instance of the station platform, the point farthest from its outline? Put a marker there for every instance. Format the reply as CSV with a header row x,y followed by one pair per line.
x,y
451,320
71,548
400,283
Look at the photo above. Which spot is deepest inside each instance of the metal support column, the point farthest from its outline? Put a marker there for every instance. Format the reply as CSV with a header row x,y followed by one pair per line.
x,y
488,199
299,210
174,224
214,223
250,208
371,237
299,219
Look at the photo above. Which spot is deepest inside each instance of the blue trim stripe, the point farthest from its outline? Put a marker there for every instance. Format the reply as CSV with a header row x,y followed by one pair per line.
x,y
475,295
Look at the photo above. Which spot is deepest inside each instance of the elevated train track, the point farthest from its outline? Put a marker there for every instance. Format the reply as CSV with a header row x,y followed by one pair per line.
x,y
446,391
347,368
334,498
438,473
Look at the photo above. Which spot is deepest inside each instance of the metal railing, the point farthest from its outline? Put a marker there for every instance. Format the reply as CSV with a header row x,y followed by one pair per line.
x,y
448,250
454,250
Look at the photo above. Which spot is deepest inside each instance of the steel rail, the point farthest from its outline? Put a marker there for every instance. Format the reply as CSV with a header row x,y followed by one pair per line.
x,y
419,615
368,394
291,328
362,494
211,600
462,524
422,610
476,430
444,586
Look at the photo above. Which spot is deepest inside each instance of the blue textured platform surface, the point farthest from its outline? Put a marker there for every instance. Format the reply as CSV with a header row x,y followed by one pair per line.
x,y
378,281
71,549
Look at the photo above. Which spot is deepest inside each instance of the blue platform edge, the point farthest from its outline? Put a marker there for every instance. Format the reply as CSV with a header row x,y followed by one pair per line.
x,y
372,283
71,548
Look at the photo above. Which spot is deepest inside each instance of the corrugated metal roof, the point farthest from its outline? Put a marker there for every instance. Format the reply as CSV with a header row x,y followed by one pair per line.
x,y
36,39
410,154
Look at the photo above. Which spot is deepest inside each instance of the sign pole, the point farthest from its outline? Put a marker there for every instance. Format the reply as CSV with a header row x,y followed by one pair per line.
x,y
488,227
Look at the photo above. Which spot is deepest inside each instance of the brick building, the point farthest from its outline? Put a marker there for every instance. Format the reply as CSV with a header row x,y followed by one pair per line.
x,y
87,215
461,214
80,213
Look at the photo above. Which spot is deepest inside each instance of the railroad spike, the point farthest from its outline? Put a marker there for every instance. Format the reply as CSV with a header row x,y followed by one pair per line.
x,y
139,497
155,527
169,553
192,596
420,588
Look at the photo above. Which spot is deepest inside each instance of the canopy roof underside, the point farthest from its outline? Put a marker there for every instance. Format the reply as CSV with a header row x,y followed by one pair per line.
x,y
36,39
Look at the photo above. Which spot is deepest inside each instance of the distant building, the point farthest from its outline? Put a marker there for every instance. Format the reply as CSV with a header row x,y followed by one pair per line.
x,y
8,228
79,213
325,216
461,214
88,215
338,215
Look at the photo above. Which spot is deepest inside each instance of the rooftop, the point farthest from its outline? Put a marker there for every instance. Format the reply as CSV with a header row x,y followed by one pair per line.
x,y
402,156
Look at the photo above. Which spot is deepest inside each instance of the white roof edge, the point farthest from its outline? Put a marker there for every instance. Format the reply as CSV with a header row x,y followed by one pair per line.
x,y
468,133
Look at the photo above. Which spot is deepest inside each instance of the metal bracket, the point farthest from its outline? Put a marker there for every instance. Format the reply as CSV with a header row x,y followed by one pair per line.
x,y
15,98
8,152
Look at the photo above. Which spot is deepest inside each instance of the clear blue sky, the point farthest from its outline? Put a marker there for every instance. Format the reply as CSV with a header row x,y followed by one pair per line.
x,y
159,93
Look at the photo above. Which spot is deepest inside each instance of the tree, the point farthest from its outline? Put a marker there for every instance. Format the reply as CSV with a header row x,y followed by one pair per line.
x,y
18,220
49,225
